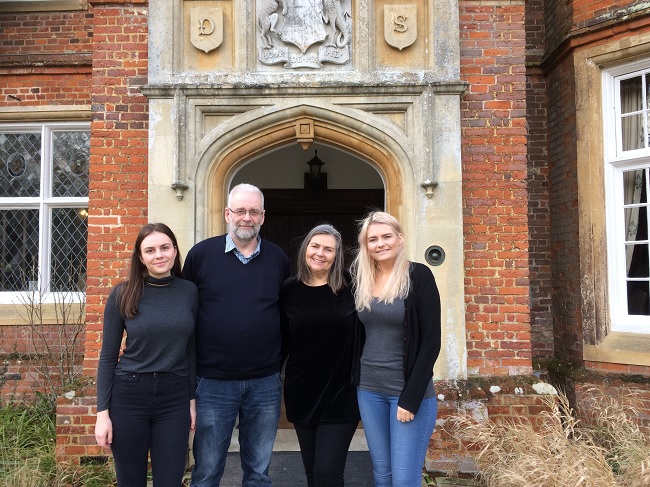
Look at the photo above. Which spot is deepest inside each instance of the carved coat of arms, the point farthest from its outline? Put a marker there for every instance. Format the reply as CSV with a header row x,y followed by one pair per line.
x,y
289,28
400,25
206,28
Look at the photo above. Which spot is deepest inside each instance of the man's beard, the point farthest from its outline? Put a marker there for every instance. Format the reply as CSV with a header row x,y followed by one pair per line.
x,y
245,234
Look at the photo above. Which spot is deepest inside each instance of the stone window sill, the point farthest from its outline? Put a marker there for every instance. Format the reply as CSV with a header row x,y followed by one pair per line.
x,y
42,5
621,348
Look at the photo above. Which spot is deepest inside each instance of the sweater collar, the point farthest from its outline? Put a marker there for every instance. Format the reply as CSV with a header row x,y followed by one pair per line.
x,y
159,282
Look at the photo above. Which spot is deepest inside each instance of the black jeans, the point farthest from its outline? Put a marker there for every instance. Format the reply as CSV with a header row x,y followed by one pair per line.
x,y
324,450
150,413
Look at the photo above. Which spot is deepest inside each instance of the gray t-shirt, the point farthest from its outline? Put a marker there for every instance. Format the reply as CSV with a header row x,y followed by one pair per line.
x,y
382,359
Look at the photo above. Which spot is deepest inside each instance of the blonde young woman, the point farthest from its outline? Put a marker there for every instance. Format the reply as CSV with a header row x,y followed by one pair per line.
x,y
399,305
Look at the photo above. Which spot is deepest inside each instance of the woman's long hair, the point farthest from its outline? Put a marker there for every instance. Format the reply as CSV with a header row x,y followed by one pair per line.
x,y
364,268
131,291
335,278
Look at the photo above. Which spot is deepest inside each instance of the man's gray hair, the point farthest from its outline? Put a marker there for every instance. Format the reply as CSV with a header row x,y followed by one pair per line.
x,y
245,188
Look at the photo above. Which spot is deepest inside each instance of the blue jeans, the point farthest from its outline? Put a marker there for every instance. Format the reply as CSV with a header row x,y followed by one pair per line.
x,y
150,415
397,449
218,402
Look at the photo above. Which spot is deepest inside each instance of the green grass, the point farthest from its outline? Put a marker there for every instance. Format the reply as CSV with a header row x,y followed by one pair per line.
x,y
27,451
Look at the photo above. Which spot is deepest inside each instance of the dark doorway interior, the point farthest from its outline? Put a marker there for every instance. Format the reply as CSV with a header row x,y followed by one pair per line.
x,y
291,213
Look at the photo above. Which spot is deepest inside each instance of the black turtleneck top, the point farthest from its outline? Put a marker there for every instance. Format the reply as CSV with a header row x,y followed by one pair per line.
x,y
159,338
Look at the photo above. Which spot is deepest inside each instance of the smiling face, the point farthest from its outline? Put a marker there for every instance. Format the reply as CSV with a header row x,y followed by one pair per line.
x,y
383,243
157,253
320,254
245,227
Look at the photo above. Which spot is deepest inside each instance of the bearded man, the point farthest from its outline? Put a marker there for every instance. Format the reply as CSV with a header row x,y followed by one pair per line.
x,y
238,341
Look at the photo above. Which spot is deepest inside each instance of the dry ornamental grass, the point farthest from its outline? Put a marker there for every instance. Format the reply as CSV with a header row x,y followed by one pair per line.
x,y
607,450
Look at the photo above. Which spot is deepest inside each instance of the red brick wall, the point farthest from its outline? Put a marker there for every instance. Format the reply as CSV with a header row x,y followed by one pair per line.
x,y
45,58
500,400
589,13
564,208
44,61
539,219
493,130
118,190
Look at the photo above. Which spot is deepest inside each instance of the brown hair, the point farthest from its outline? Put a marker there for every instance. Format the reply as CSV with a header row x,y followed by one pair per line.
x,y
131,291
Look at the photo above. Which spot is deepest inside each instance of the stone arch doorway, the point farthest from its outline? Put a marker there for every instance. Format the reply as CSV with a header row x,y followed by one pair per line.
x,y
344,189
221,162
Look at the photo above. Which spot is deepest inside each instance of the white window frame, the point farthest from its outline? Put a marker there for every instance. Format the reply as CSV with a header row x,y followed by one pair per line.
x,y
45,203
616,162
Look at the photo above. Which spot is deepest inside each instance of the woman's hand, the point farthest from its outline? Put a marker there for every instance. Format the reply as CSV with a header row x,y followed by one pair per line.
x,y
104,429
403,415
192,414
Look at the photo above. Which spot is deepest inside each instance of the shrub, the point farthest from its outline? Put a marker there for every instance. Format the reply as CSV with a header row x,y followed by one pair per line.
x,y
609,449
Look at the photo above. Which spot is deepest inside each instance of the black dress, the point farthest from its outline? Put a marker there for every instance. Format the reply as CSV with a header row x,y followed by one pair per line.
x,y
318,334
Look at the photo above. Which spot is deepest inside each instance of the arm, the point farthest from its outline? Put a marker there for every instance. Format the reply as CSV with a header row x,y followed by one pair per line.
x,y
111,342
104,429
192,414
113,330
425,312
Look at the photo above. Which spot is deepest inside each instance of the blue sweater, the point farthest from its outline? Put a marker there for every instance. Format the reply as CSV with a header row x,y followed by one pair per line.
x,y
238,328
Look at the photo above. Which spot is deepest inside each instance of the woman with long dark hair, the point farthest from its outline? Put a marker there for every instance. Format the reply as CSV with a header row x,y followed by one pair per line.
x,y
145,396
318,336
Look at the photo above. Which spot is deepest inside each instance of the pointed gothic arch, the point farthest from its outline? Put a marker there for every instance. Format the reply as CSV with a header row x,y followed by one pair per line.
x,y
249,140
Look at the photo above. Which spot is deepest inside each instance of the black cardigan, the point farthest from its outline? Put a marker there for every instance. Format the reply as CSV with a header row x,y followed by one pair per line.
x,y
421,337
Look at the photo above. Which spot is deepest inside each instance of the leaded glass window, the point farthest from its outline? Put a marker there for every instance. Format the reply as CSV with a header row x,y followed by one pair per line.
x,y
43,207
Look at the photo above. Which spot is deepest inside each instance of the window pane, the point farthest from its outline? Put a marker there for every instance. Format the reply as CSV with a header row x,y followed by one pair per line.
x,y
18,250
637,298
631,95
20,157
69,238
637,260
70,153
635,200
632,132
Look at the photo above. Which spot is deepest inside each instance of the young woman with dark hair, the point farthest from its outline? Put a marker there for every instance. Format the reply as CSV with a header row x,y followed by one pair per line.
x,y
145,396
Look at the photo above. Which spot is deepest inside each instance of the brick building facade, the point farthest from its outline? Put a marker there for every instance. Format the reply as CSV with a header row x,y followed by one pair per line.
x,y
535,266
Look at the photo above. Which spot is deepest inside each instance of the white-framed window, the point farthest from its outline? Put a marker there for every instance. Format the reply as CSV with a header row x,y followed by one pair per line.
x,y
43,207
627,181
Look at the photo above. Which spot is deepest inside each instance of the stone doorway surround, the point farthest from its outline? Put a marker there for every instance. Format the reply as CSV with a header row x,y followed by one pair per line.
x,y
393,104
200,136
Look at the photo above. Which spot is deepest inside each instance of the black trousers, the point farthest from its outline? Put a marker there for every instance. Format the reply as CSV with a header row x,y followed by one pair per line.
x,y
150,414
324,450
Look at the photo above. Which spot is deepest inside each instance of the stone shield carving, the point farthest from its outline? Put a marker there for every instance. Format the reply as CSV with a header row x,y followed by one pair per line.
x,y
400,25
304,33
206,28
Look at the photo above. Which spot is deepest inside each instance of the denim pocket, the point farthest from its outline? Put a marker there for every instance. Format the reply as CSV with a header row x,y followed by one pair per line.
x,y
129,378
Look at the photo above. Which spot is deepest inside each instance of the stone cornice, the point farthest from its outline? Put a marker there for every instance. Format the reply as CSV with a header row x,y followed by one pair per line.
x,y
589,35
270,85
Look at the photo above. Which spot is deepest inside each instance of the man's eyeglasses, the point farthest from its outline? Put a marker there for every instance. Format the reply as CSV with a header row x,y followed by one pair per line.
x,y
241,212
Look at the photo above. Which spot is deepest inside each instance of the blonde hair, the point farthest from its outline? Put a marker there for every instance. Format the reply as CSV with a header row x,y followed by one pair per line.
x,y
364,268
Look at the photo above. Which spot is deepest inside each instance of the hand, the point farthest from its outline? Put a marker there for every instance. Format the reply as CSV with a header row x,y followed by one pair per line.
x,y
403,415
104,430
192,414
